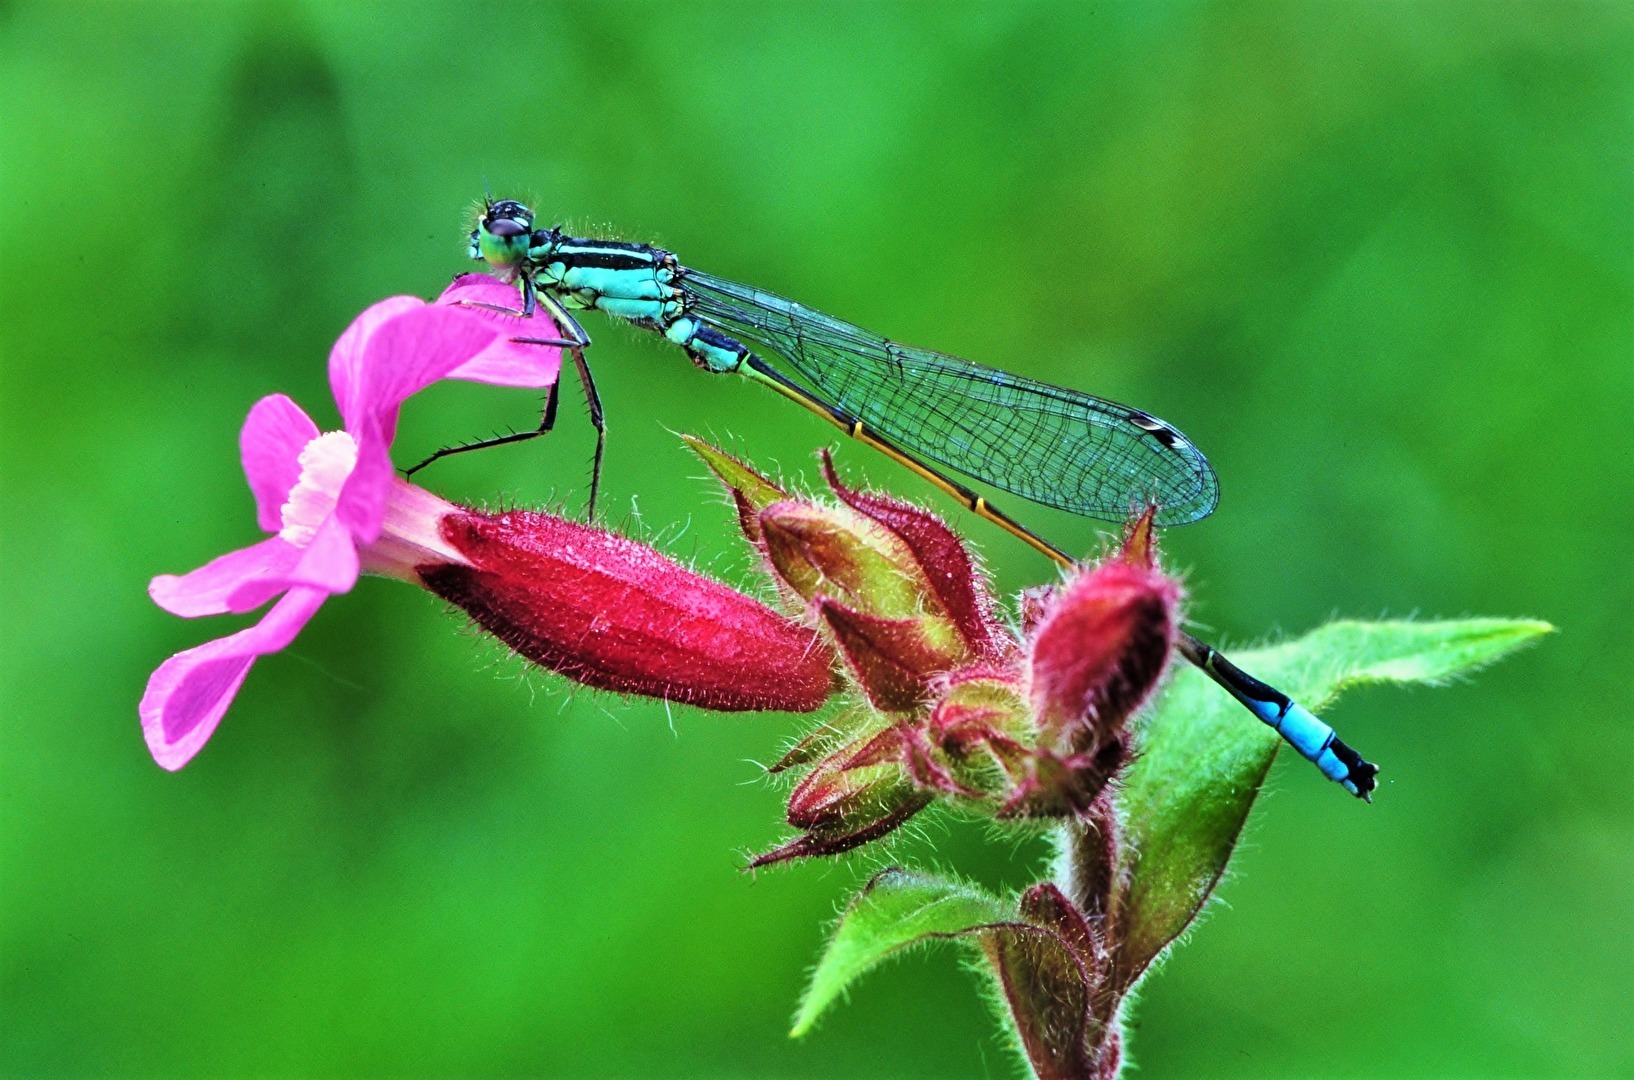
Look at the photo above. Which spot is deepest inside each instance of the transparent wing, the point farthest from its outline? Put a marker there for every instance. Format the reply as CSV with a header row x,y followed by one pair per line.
x,y
1053,446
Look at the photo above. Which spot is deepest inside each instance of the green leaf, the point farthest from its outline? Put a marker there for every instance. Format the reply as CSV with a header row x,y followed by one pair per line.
x,y
895,910
1203,758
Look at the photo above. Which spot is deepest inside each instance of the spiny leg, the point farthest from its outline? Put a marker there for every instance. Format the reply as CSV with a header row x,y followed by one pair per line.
x,y
552,397
593,401
546,422
1315,740
528,302
591,397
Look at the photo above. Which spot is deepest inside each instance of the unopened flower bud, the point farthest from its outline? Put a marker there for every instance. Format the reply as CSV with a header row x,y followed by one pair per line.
x,y
1048,784
1102,646
751,492
942,560
833,552
858,793
1052,966
614,614
977,706
894,660
893,583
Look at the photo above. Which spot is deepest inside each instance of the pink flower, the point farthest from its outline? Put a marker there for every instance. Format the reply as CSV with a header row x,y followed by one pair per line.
x,y
332,500
336,508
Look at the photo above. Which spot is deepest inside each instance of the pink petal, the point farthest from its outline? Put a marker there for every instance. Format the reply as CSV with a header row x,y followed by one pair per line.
x,y
515,363
215,588
403,356
362,504
270,444
243,580
412,351
390,352
505,362
475,288
329,562
347,359
187,696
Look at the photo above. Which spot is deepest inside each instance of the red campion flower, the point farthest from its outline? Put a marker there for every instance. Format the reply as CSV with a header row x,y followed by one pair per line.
x,y
601,609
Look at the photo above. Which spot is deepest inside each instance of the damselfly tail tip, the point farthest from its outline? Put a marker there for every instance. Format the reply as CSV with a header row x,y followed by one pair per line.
x,y
1362,776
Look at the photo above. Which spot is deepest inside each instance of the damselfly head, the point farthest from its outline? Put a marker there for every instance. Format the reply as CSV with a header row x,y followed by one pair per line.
x,y
503,234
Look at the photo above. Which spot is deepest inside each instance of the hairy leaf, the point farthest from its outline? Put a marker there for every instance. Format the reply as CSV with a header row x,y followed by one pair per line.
x,y
895,910
1203,759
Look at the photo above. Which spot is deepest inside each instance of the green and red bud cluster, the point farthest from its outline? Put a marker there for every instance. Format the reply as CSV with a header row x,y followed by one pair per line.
x,y
953,705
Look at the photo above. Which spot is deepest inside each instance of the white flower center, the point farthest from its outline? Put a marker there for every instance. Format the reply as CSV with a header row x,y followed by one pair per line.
x,y
326,462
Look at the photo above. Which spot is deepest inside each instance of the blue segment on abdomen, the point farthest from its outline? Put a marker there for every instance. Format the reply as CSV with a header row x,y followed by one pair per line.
x,y
718,356
1305,733
708,347
681,330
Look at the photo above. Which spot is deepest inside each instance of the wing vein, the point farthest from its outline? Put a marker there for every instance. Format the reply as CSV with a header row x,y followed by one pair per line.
x,y
1047,444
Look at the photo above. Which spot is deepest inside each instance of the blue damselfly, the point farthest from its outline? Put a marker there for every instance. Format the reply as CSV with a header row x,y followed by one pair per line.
x,y
927,410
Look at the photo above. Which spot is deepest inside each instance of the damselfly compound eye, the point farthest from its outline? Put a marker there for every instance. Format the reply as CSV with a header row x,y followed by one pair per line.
x,y
508,218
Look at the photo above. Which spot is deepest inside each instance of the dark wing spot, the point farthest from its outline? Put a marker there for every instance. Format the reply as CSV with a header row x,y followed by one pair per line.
x,y
1164,434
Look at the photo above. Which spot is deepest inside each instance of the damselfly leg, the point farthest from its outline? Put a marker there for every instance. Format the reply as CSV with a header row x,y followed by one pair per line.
x,y
546,421
529,304
592,399
576,341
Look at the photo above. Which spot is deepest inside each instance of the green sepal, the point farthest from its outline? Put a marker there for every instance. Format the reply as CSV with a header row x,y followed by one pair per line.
x,y
753,488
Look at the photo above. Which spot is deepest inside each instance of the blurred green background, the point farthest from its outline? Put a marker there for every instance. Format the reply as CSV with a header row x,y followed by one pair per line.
x,y
1377,259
